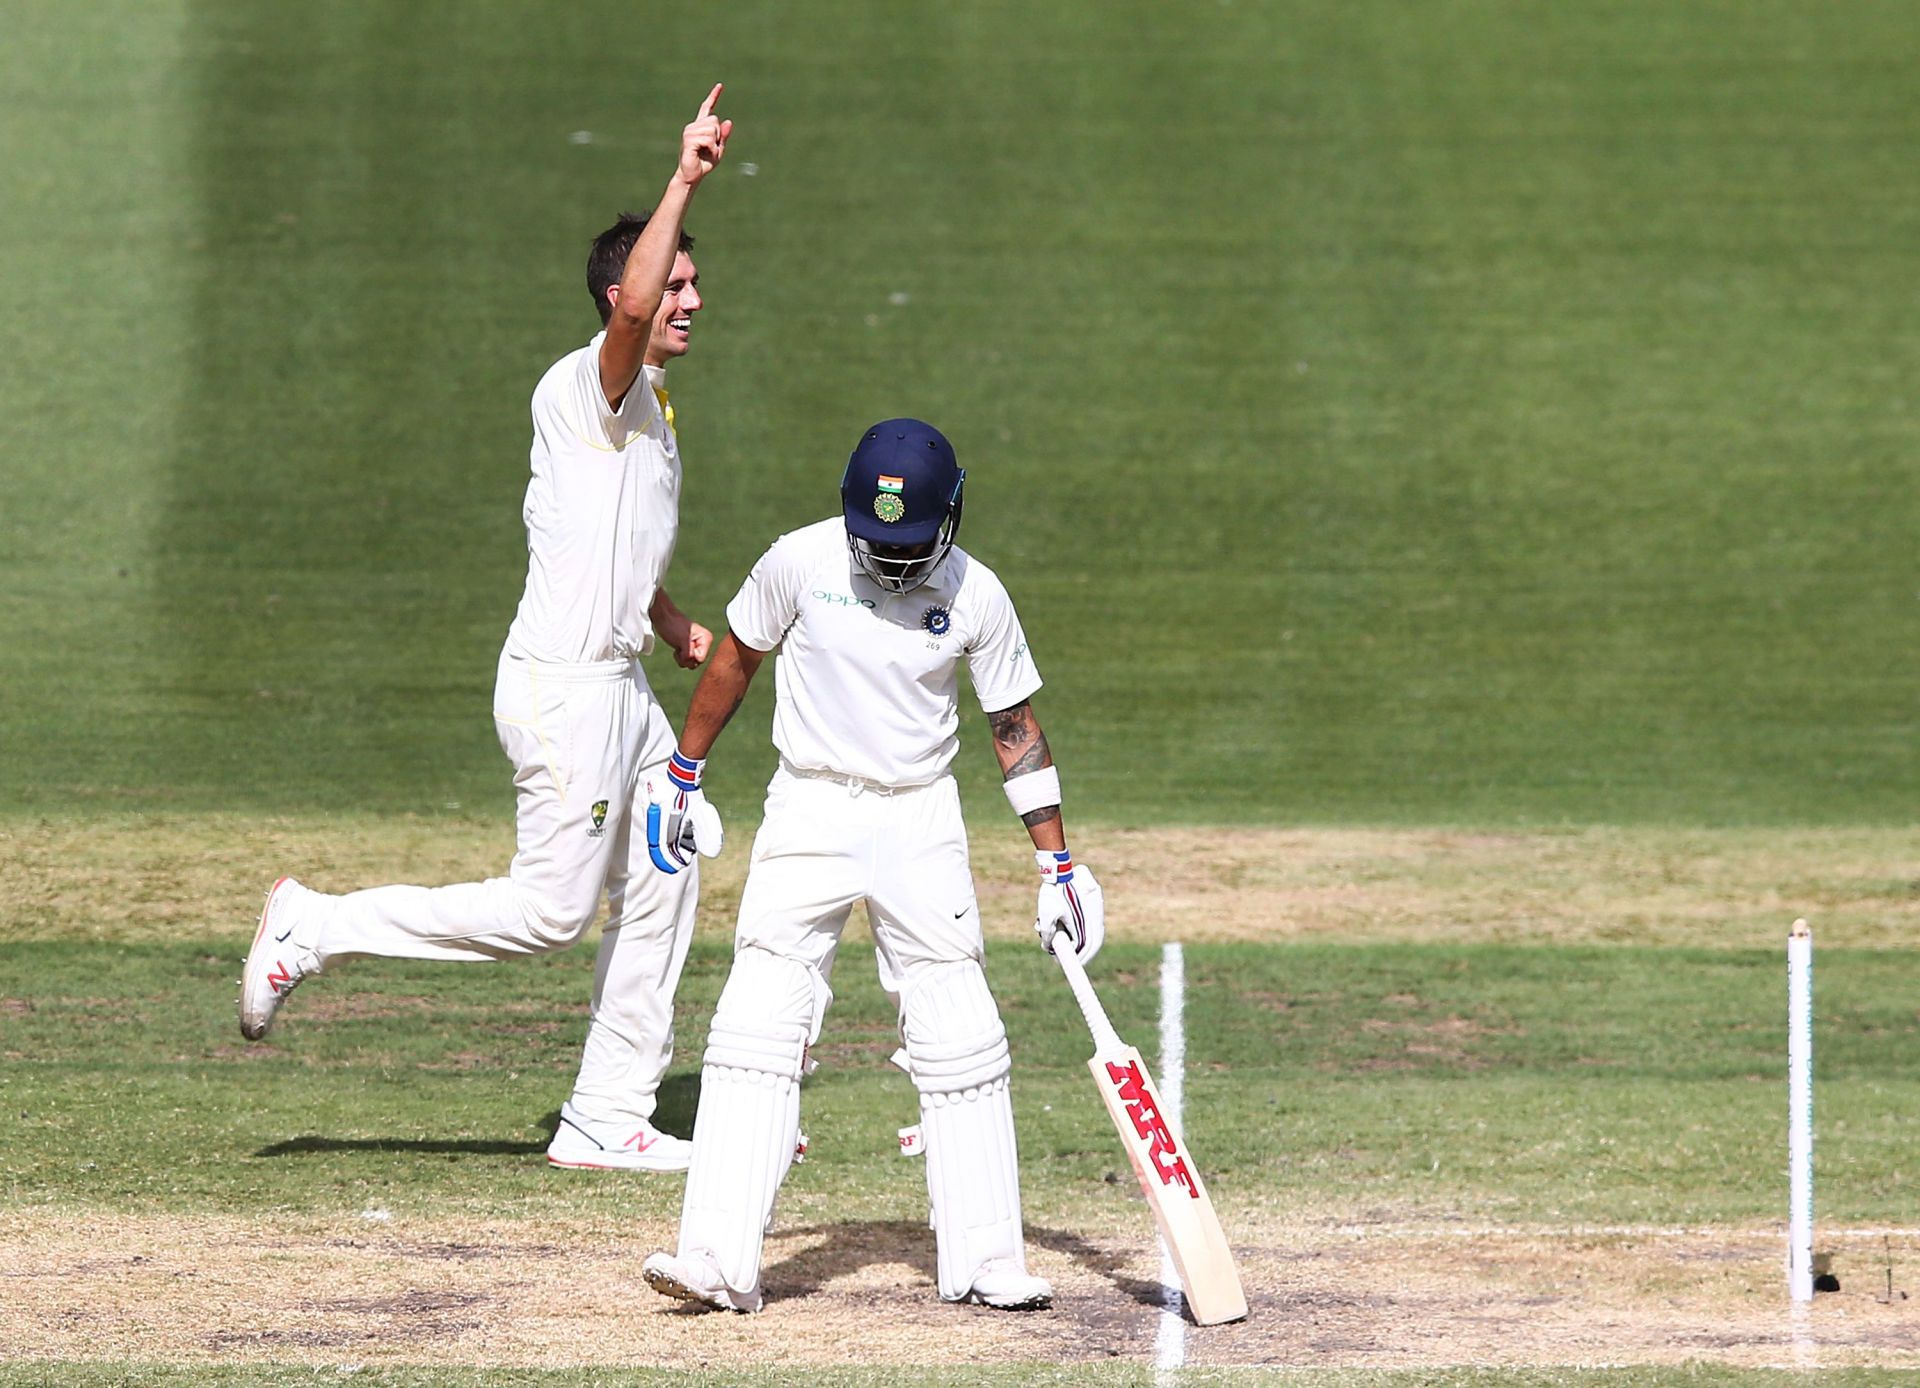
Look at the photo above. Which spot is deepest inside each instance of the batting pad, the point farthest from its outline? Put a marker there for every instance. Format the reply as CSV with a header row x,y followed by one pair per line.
x,y
749,1118
957,1048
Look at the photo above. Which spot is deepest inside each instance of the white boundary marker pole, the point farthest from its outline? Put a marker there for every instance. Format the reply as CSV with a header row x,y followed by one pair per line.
x,y
1170,1345
1800,1112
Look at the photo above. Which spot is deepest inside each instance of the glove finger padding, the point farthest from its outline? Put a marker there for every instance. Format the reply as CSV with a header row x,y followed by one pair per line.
x,y
702,826
1071,901
680,823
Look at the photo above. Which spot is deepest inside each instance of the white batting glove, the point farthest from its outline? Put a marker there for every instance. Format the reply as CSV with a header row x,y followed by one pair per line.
x,y
1070,900
679,819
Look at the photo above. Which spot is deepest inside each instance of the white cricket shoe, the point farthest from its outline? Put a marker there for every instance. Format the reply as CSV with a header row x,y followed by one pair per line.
x,y
632,1144
695,1278
281,956
1003,1284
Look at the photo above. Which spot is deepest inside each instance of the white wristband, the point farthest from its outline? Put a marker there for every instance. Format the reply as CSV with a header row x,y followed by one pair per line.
x,y
1034,790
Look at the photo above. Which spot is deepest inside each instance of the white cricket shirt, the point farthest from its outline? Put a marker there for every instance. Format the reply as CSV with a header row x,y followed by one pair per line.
x,y
602,514
867,681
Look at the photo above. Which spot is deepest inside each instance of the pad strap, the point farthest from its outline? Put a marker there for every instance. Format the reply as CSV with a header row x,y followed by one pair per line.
x,y
779,1049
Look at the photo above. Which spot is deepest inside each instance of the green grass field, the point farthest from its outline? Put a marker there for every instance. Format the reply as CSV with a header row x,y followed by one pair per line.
x,y
1466,414
1488,417
1583,1085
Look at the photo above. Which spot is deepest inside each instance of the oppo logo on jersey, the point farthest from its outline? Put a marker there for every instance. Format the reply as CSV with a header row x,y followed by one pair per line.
x,y
1143,1107
842,599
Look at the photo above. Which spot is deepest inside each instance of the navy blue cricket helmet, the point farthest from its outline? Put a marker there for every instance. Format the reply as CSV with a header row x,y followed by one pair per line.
x,y
901,498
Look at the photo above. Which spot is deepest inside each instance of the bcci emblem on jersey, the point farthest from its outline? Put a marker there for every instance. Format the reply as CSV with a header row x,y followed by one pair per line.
x,y
599,819
936,620
888,504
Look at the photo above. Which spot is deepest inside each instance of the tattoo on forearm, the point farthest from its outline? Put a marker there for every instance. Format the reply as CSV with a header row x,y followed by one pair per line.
x,y
1046,814
1017,738
1035,757
1010,725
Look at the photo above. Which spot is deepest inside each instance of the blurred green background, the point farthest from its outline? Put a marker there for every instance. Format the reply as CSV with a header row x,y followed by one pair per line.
x,y
1398,413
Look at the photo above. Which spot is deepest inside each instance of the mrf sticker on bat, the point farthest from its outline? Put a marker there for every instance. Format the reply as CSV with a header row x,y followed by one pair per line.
x,y
1144,1109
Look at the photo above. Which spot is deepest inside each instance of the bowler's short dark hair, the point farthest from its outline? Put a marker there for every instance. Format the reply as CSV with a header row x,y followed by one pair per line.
x,y
607,261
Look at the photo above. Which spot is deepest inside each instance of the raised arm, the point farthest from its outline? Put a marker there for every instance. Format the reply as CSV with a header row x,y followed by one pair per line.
x,y
623,351
1070,900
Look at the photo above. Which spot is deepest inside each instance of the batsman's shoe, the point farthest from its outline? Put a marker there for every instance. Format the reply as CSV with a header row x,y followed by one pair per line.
x,y
629,1145
695,1278
1006,1286
281,956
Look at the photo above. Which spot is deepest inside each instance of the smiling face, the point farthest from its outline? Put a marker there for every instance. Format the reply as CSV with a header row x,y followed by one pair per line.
x,y
673,320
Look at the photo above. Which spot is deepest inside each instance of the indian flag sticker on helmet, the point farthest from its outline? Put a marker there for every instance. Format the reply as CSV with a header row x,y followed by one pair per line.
x,y
888,505
892,484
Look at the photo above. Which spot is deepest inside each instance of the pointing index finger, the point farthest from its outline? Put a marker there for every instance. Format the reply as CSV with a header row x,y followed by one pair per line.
x,y
706,107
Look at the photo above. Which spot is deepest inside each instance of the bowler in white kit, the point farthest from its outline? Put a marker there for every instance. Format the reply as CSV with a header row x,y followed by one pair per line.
x,y
873,613
573,709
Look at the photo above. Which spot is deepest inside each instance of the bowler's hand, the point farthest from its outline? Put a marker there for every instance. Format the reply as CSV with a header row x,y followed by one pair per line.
x,y
704,141
690,642
693,650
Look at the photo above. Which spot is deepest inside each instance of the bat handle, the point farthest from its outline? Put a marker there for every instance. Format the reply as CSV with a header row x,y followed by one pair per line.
x,y
1106,1041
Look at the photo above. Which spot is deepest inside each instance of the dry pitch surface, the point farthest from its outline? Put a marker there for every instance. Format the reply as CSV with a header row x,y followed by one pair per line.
x,y
1323,1294
1325,1291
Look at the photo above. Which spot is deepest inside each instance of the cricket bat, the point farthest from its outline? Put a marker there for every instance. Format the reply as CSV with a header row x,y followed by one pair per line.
x,y
1161,1161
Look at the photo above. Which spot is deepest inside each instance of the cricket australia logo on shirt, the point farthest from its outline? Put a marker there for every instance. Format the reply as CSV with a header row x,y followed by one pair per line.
x,y
599,819
889,505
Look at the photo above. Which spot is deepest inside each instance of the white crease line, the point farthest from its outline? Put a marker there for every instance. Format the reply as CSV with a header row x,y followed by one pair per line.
x,y
1170,1345
1806,1350
1586,1231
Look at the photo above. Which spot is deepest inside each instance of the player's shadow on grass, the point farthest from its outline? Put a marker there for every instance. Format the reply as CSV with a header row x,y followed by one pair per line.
x,y
679,1096
845,1248
1103,1262
415,1146
675,1103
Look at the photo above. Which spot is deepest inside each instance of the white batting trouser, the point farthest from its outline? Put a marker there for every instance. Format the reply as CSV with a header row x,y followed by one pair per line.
x,y
583,740
824,845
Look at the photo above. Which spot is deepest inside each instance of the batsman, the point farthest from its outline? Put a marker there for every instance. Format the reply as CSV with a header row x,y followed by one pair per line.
x,y
873,612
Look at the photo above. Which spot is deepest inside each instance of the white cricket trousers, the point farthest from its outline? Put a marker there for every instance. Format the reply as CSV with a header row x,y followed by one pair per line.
x,y
584,740
827,842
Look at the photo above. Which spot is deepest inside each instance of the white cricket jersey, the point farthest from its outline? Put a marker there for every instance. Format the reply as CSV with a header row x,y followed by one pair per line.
x,y
602,514
867,681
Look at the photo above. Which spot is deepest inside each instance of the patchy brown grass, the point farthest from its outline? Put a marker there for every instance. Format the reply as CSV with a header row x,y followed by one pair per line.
x,y
143,875
1324,1294
81,1284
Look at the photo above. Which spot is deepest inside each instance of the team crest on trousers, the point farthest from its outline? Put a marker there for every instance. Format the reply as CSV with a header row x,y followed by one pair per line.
x,y
599,819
